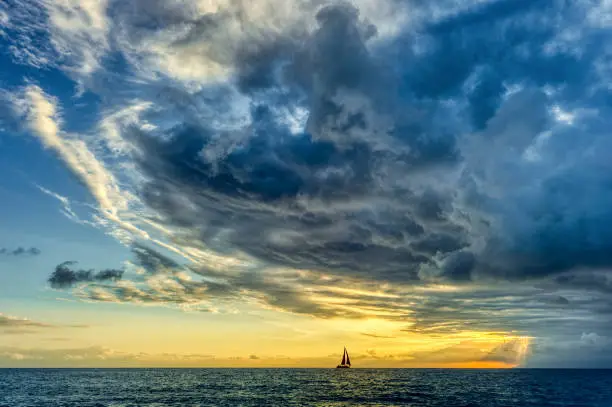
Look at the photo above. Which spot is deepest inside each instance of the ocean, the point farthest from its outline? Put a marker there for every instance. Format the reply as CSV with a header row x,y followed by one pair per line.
x,y
303,387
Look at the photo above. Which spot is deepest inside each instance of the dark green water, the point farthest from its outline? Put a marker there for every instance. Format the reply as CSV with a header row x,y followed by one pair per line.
x,y
303,387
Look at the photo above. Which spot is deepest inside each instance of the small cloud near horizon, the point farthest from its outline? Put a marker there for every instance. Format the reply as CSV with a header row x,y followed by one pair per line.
x,y
17,326
20,251
65,277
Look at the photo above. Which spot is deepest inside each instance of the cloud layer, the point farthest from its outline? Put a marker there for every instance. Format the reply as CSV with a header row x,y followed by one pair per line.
x,y
448,161
507,354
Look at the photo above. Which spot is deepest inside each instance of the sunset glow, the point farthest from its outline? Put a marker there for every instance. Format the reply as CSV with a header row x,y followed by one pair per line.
x,y
220,183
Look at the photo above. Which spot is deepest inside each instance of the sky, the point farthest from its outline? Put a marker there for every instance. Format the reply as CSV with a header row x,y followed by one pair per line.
x,y
261,183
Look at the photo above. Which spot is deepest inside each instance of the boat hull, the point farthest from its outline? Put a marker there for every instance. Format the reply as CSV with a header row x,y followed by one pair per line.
x,y
342,367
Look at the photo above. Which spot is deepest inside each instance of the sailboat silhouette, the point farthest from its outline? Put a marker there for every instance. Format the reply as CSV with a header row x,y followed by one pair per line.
x,y
346,361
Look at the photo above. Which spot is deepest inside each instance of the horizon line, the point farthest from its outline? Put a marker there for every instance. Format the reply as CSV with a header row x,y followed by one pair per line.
x,y
293,368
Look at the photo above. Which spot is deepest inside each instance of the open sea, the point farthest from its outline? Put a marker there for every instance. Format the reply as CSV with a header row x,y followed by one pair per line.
x,y
303,387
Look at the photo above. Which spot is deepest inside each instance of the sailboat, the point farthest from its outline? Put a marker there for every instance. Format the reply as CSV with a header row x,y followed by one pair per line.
x,y
346,361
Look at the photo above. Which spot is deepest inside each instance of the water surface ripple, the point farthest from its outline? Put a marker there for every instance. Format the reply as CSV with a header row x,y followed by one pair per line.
x,y
303,387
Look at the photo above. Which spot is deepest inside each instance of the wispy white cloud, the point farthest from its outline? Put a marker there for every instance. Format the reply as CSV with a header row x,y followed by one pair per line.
x,y
601,15
79,30
19,326
41,114
118,210
115,123
4,18
66,206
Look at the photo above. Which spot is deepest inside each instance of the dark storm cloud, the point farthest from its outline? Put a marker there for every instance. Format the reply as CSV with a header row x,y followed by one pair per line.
x,y
498,40
521,309
458,266
584,349
597,282
550,309
377,186
280,196
152,261
20,251
65,276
